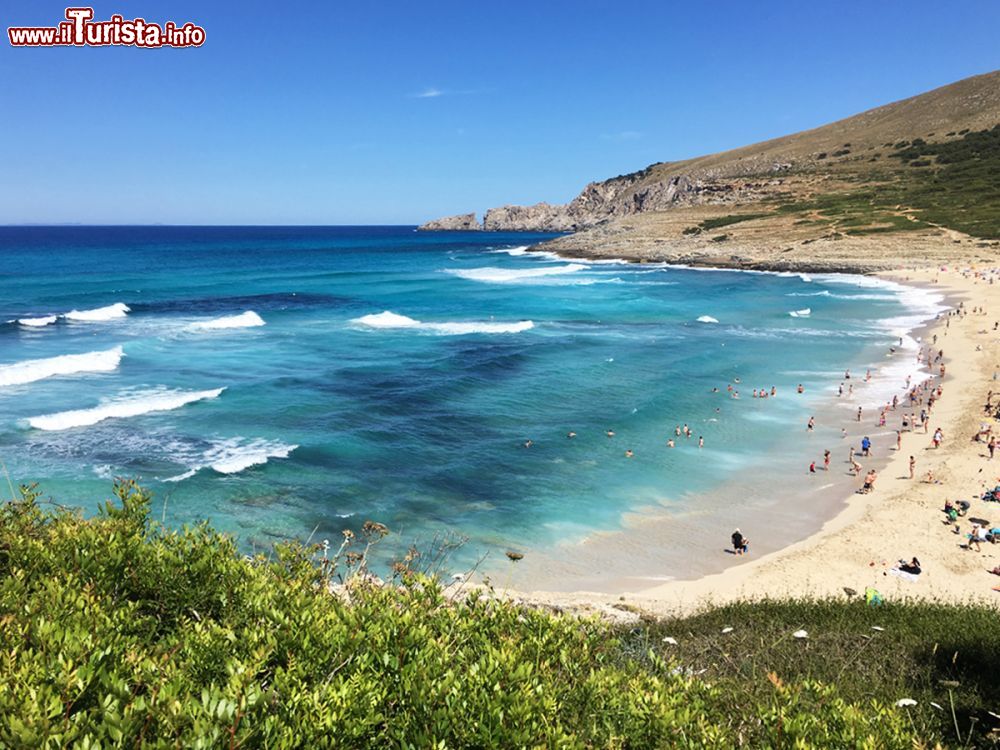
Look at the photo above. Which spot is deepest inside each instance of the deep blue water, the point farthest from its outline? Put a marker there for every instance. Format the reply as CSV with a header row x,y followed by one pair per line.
x,y
334,412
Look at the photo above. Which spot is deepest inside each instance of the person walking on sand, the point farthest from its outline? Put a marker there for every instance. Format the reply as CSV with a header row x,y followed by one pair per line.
x,y
826,460
992,445
812,468
866,446
938,437
913,466
859,413
899,440
811,423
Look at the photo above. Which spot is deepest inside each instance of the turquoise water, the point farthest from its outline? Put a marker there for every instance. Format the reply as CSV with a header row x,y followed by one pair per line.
x,y
281,380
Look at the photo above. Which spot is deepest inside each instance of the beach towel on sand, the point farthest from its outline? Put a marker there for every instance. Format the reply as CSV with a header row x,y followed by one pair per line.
x,y
911,577
873,597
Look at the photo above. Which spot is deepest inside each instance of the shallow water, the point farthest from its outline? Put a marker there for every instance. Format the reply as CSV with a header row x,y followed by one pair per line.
x,y
279,381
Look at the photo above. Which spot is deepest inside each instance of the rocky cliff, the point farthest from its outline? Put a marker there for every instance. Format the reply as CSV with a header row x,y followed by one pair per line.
x,y
852,150
457,223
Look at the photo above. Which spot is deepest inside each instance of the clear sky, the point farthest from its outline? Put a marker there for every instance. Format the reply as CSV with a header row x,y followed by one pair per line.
x,y
386,111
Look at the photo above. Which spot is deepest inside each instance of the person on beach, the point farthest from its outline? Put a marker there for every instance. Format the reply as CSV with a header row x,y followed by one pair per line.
x,y
913,466
740,542
811,424
869,484
800,389
843,432
856,468
866,446
826,460
812,468
912,567
977,536
938,437
899,440
859,413
992,446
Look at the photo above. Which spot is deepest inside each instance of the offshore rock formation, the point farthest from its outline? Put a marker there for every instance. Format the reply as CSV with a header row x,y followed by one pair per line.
x,y
458,223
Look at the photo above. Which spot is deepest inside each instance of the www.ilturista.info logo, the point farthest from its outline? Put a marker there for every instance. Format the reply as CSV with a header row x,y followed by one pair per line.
x,y
80,30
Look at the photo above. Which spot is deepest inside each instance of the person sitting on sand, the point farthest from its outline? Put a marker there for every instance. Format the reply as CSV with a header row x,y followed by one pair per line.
x,y
929,478
912,567
740,542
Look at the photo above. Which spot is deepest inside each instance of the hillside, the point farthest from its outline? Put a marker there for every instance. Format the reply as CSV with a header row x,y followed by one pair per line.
x,y
915,171
115,632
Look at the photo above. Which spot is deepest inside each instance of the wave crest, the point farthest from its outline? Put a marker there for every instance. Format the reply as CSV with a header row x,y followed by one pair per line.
x,y
390,320
707,319
492,275
111,312
31,370
248,319
129,406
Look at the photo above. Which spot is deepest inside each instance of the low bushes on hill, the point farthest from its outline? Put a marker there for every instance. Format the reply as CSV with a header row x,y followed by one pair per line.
x,y
115,631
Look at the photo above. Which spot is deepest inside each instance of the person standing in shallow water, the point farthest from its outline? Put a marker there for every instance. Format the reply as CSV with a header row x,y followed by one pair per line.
x,y
811,423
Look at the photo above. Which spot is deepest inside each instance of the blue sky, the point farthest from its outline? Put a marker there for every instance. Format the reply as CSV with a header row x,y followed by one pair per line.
x,y
396,112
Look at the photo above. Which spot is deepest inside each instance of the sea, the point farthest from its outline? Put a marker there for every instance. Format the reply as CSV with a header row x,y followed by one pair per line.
x,y
467,393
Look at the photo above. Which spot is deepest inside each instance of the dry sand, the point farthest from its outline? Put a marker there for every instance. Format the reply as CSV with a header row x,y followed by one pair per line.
x,y
900,519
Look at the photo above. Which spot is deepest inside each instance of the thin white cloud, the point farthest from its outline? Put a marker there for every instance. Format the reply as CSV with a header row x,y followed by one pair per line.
x,y
433,93
624,135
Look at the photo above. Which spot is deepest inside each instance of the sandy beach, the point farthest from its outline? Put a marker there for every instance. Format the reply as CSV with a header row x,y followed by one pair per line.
x,y
900,519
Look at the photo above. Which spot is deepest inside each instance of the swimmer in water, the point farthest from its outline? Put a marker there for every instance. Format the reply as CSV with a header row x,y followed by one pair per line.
x,y
629,454
670,443
571,434
701,442
800,389
611,433
811,423
528,443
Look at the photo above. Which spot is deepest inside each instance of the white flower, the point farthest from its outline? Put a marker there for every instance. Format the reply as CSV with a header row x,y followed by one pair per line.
x,y
876,627
800,634
903,702
727,630
671,641
937,706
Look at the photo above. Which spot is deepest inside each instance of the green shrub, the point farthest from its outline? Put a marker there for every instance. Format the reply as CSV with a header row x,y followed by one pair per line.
x,y
115,631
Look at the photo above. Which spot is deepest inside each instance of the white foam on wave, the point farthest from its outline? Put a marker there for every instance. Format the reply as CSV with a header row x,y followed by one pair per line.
x,y
235,455
31,370
132,405
707,319
494,275
391,320
805,312
111,312
45,320
248,319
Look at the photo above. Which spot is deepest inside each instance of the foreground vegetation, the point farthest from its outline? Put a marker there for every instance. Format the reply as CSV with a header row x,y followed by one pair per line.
x,y
115,631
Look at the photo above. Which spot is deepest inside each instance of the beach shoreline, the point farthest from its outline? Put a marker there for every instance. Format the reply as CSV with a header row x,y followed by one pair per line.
x,y
857,545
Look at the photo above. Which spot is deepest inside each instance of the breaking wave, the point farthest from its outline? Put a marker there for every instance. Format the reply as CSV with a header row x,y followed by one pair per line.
x,y
390,320
707,319
31,370
249,319
111,312
129,406
508,275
